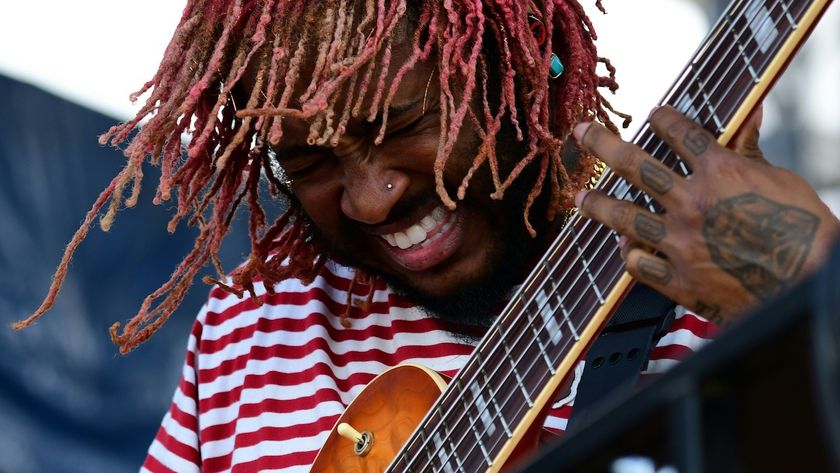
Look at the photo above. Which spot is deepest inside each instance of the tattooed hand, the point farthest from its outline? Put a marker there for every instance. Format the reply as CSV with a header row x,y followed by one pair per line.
x,y
734,233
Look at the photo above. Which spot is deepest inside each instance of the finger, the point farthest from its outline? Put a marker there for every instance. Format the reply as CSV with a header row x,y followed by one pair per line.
x,y
625,218
652,270
746,141
688,139
630,162
625,245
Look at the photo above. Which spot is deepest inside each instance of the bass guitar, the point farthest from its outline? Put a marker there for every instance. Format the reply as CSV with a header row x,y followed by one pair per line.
x,y
409,419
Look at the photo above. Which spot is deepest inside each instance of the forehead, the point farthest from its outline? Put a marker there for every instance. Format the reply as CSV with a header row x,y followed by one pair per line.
x,y
378,75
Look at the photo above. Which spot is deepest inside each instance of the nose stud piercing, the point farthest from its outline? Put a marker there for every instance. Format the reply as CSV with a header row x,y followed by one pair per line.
x,y
389,186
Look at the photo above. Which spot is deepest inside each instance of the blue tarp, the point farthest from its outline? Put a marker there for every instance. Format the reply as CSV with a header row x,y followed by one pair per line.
x,y
68,401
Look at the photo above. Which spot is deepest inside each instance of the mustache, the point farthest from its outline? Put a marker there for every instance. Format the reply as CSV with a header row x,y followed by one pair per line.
x,y
408,206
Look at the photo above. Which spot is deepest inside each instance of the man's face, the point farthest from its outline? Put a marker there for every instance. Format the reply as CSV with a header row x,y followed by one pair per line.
x,y
375,206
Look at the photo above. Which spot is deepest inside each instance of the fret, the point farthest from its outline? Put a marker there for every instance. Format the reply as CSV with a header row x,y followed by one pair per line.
x,y
476,415
520,383
543,350
430,449
606,259
505,424
569,263
791,21
734,96
586,300
454,449
685,105
729,76
697,99
579,288
486,420
535,279
572,328
725,32
440,454
546,313
622,189
763,32
742,48
593,285
707,100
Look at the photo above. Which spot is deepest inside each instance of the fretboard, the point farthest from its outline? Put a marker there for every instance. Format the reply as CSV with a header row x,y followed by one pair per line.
x,y
518,365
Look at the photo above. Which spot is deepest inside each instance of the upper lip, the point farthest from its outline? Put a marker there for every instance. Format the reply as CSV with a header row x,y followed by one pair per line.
x,y
404,221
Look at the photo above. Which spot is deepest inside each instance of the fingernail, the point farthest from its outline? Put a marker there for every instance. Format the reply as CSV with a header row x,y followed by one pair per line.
x,y
653,110
579,198
580,130
622,242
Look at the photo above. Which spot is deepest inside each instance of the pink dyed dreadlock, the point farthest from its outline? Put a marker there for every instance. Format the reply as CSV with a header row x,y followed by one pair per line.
x,y
217,40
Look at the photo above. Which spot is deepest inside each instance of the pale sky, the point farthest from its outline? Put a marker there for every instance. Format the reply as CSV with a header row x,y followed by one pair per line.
x,y
96,52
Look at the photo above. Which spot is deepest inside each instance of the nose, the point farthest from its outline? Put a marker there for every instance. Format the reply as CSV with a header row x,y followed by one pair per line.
x,y
371,190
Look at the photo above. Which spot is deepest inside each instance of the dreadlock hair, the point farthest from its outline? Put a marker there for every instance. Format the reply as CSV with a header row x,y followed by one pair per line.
x,y
227,154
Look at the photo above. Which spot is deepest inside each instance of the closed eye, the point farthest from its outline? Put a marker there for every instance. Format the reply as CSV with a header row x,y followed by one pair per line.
x,y
298,160
406,127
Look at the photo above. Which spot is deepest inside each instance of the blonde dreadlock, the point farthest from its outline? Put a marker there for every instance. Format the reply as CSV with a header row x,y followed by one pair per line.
x,y
217,41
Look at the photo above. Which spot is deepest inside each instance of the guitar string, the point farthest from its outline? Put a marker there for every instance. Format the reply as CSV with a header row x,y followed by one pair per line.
x,y
533,360
629,190
707,102
528,303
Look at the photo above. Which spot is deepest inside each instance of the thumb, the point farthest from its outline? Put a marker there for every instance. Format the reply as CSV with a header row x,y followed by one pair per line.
x,y
746,142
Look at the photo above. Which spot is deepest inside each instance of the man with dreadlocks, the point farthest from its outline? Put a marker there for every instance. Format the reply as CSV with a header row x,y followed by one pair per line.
x,y
420,147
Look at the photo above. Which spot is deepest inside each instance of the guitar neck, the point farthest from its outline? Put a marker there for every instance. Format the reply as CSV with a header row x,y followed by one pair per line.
x,y
534,344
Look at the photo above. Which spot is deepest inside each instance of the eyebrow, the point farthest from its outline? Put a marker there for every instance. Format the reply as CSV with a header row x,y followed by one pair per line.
x,y
404,107
395,112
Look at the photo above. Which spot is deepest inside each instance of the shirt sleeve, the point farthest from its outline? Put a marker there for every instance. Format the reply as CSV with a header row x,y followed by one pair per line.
x,y
175,448
689,333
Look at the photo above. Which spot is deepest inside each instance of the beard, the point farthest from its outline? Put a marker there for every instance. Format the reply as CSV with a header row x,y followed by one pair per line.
x,y
477,302
511,253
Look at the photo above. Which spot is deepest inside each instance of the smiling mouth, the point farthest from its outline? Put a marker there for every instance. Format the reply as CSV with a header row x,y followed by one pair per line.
x,y
427,243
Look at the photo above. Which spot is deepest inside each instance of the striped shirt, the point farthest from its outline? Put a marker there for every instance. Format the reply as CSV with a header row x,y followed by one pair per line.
x,y
263,385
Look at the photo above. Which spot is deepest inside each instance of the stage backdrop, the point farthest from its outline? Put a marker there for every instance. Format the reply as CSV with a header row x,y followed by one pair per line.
x,y
68,401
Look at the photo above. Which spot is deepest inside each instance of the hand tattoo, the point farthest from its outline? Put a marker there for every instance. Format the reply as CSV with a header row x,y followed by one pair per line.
x,y
655,270
649,228
656,178
760,242
697,141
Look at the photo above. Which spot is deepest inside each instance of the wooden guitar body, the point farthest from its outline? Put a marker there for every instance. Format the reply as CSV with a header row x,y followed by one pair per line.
x,y
390,407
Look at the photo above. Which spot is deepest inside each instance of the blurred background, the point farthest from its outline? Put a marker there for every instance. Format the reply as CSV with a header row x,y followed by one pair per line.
x,y
68,401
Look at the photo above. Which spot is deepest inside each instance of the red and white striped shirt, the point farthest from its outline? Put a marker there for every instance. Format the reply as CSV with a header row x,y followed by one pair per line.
x,y
262,386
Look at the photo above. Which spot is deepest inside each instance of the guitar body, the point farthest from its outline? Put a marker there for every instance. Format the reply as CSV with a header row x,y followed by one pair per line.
x,y
390,407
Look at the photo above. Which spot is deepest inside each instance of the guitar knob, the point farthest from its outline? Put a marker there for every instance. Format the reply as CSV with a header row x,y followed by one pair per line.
x,y
363,441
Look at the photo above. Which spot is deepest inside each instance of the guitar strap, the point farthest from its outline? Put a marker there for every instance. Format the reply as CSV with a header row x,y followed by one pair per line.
x,y
621,352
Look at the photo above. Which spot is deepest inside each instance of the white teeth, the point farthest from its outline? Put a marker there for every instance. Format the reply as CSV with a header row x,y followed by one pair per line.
x,y
428,223
417,233
402,240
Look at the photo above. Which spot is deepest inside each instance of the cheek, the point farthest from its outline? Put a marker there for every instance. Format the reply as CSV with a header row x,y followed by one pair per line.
x,y
322,205
414,154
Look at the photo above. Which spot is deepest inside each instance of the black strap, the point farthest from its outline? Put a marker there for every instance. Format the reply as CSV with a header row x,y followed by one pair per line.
x,y
622,350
